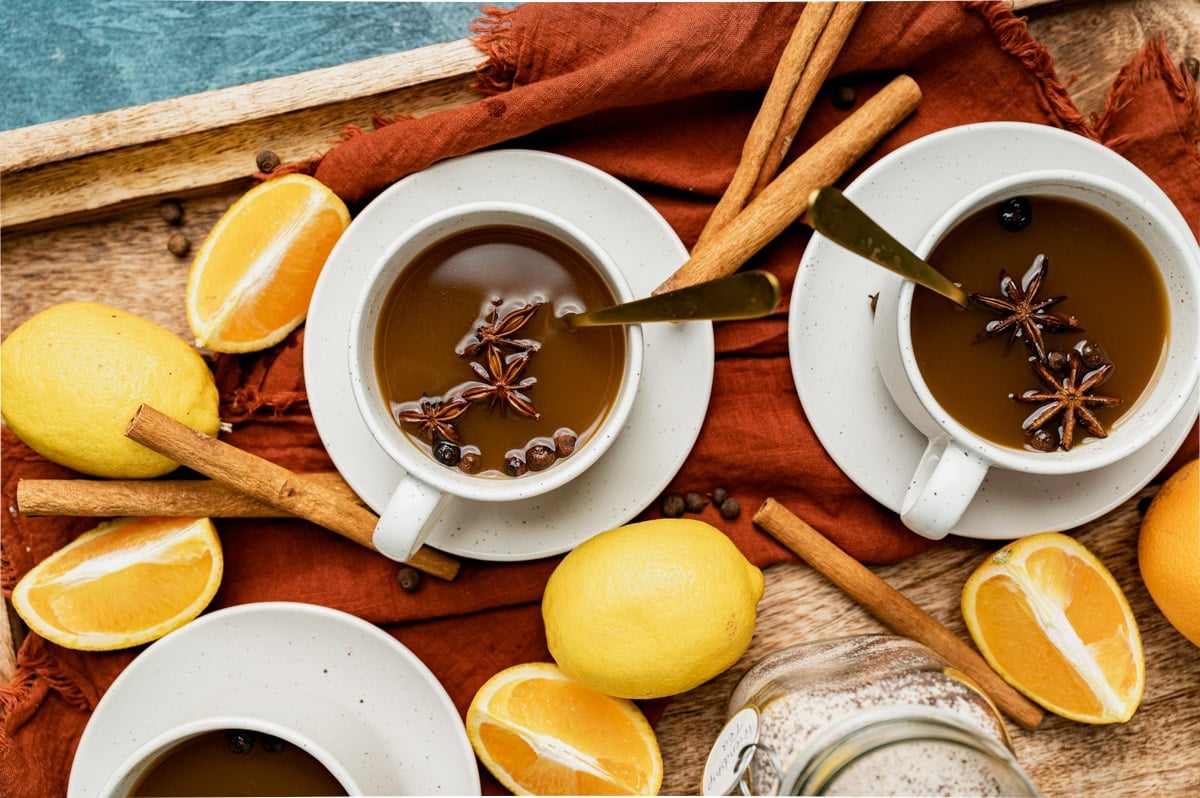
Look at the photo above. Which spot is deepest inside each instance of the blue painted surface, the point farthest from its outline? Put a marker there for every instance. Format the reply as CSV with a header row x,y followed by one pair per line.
x,y
66,58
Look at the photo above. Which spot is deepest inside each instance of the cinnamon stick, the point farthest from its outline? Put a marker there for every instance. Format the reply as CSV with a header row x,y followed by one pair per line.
x,y
892,608
106,498
763,132
784,199
270,483
827,49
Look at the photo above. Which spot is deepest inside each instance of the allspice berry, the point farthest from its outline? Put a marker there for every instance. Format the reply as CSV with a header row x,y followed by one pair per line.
x,y
171,212
179,245
408,578
672,505
730,509
267,161
693,502
540,457
564,444
514,466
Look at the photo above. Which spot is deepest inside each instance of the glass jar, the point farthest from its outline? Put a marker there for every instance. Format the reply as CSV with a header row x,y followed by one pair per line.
x,y
862,715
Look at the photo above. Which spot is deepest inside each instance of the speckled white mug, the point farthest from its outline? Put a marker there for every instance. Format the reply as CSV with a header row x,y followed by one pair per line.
x,y
422,495
956,461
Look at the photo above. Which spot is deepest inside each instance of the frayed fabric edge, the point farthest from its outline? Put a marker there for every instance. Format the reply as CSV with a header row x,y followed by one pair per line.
x,y
1013,37
1153,62
493,37
37,673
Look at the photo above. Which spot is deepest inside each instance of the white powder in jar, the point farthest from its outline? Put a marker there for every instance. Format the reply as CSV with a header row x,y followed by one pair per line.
x,y
801,691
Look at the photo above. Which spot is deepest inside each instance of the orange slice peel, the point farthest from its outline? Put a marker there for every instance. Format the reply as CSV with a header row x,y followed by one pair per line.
x,y
253,277
124,583
540,732
1053,622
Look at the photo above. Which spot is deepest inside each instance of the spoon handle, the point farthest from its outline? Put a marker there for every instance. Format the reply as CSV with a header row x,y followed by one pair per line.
x,y
743,295
844,223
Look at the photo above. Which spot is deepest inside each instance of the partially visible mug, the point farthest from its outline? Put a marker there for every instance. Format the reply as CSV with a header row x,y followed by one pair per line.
x,y
958,458
484,363
230,755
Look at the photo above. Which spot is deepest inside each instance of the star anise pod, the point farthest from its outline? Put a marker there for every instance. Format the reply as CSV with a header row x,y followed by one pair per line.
x,y
1023,315
435,419
500,333
1068,399
501,384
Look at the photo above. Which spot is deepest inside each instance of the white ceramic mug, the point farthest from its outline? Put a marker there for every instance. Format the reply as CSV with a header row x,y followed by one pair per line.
x,y
956,460
423,493
137,765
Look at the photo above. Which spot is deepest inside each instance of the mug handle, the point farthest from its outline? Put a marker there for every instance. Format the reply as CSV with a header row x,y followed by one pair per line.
x,y
411,513
943,485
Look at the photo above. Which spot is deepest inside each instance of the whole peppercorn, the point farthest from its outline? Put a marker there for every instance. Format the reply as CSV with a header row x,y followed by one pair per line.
x,y
171,212
539,457
672,505
730,509
272,744
1016,214
447,453
240,742
179,245
693,502
408,578
514,466
267,161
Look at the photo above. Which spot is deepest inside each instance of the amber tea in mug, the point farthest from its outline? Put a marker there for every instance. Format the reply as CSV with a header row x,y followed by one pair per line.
x,y
236,762
443,314
1111,286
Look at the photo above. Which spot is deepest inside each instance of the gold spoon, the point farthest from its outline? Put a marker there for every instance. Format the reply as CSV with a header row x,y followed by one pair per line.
x,y
844,223
744,295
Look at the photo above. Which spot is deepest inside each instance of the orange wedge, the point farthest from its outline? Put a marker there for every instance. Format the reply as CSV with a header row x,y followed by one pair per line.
x,y
541,732
1051,620
253,277
124,583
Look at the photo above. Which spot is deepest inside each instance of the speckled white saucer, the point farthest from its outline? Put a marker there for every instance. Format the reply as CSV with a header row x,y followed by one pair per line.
x,y
830,330
676,378
338,680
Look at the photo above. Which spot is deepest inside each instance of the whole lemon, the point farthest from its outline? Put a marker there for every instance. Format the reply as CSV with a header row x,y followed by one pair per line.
x,y
74,374
651,609
1169,550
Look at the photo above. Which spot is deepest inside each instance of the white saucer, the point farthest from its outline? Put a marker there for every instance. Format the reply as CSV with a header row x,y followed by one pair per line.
x,y
829,331
335,678
676,379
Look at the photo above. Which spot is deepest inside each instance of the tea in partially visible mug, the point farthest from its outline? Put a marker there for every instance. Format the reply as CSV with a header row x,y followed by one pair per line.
x,y
229,755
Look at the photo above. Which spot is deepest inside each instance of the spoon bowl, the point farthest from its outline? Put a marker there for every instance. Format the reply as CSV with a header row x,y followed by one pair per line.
x,y
845,224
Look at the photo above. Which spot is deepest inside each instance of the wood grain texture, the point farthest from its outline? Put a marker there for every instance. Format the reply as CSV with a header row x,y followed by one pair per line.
x,y
1153,754
90,167
114,250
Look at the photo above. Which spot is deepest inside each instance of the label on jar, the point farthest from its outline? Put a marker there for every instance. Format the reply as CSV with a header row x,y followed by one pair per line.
x,y
731,753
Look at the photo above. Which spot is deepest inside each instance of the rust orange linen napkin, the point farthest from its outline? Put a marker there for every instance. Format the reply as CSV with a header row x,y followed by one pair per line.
x,y
661,96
